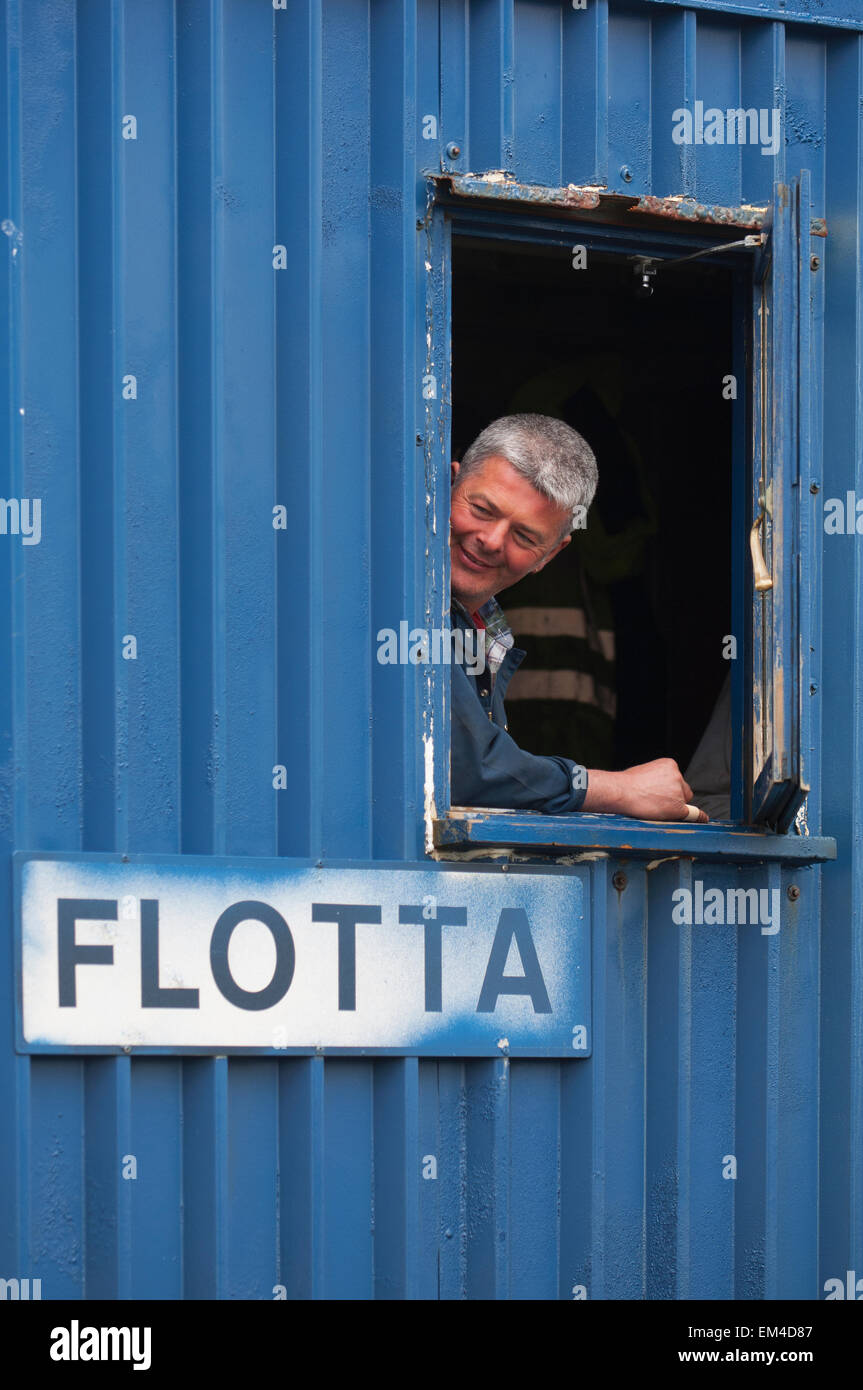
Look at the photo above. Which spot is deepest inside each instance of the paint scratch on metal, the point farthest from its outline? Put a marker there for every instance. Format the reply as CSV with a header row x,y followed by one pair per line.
x,y
14,233
429,812
483,852
588,857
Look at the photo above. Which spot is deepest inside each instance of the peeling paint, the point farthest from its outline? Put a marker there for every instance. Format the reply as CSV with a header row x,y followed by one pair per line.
x,y
678,207
725,843
429,812
587,857
484,852
511,856
483,186
804,130
591,196
683,209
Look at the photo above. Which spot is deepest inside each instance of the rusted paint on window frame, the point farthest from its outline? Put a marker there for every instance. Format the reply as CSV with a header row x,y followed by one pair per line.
x,y
497,185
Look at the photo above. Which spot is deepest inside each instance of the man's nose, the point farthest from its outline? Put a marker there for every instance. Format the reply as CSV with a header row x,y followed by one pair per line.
x,y
493,534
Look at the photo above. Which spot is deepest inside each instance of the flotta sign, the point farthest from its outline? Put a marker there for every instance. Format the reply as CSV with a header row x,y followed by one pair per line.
x,y
185,954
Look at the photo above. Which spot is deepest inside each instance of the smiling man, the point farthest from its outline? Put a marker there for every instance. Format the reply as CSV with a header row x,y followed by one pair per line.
x,y
516,497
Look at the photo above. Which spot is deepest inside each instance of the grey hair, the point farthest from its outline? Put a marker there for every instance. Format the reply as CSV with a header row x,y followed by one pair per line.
x,y
550,454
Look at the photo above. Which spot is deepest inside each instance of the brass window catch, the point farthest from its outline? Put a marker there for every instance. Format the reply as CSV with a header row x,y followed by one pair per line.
x,y
763,580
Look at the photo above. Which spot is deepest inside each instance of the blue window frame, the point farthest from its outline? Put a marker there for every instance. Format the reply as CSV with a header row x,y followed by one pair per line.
x,y
784,647
776,684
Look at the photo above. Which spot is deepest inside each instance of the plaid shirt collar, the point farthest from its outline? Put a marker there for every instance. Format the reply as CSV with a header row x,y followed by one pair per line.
x,y
498,636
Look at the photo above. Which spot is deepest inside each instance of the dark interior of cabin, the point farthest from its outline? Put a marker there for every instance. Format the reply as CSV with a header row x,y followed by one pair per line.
x,y
624,630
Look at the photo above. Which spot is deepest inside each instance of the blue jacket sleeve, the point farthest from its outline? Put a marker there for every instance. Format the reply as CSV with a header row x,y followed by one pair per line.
x,y
489,769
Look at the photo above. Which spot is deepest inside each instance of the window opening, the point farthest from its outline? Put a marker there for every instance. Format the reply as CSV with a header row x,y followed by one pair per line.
x,y
634,633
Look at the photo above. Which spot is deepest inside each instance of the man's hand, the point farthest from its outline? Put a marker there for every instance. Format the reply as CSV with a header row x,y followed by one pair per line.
x,y
651,791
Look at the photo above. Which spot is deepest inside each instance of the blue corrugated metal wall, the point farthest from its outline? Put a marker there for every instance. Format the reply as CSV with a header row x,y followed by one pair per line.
x,y
153,257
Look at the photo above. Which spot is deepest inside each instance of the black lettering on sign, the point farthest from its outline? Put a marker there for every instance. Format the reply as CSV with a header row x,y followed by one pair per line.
x,y
347,915
283,974
513,926
69,953
153,995
444,917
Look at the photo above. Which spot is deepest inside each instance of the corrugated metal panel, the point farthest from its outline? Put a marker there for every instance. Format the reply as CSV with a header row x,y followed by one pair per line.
x,y
154,257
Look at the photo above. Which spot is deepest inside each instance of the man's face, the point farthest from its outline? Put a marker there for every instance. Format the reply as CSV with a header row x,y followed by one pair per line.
x,y
501,529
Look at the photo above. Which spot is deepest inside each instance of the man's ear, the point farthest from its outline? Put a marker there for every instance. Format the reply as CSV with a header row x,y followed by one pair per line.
x,y
557,549
453,472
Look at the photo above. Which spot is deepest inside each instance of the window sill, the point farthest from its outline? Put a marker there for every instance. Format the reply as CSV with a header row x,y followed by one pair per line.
x,y
585,834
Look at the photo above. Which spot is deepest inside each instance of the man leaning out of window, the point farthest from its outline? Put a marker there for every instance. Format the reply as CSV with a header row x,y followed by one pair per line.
x,y
516,497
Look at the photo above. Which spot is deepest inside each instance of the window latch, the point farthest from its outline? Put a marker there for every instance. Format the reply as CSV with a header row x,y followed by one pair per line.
x,y
645,267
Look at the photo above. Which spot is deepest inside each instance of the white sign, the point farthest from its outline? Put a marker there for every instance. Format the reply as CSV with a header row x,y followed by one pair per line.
x,y
274,955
